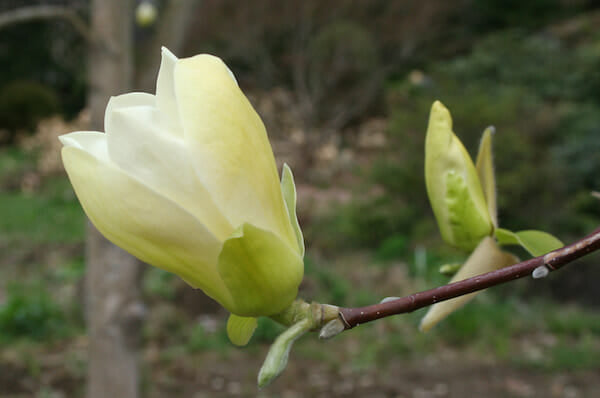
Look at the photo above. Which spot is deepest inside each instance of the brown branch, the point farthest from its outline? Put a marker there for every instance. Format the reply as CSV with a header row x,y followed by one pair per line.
x,y
554,260
30,13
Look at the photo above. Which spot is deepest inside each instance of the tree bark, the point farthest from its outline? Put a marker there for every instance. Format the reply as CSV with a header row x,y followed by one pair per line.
x,y
113,304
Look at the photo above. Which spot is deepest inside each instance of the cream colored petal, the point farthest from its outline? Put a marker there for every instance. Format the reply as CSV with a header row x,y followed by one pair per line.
x,y
92,142
162,162
127,101
165,93
231,150
485,258
146,224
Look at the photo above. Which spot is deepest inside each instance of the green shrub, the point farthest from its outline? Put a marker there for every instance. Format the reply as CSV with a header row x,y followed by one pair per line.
x,y
52,215
30,312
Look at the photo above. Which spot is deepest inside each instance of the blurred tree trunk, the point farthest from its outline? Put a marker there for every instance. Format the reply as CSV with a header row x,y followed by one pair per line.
x,y
113,304
171,29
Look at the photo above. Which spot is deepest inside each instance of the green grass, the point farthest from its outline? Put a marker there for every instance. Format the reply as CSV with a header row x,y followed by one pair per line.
x,y
201,340
51,216
13,162
574,355
573,322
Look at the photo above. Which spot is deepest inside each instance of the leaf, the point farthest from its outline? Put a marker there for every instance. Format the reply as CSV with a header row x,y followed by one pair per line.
x,y
485,170
240,329
535,242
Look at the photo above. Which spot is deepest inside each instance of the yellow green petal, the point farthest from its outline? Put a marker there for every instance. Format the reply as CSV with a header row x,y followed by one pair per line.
x,y
288,188
260,270
485,258
145,223
452,183
240,329
485,170
229,146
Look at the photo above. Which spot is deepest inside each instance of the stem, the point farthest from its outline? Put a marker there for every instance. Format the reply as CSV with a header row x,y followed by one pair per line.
x,y
554,260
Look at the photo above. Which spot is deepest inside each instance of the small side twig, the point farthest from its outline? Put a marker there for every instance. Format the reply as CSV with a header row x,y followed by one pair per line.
x,y
554,260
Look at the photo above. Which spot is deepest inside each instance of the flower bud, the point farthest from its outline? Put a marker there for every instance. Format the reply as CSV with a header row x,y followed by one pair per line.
x,y
453,185
186,180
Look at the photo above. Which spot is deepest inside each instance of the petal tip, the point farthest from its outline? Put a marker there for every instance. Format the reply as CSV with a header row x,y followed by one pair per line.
x,y
166,53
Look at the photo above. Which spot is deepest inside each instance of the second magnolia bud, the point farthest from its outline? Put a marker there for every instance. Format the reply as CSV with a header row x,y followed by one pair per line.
x,y
453,185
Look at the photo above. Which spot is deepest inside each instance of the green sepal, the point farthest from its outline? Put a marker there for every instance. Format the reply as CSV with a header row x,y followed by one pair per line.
x,y
288,189
535,242
485,169
240,329
261,272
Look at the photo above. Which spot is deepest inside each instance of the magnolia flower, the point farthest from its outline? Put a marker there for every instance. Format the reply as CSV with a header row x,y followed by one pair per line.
x,y
186,180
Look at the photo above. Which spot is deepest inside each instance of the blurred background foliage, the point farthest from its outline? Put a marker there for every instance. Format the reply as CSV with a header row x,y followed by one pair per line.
x,y
344,88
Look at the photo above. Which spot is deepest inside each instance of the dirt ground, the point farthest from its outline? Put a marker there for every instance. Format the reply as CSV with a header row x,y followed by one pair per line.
x,y
59,372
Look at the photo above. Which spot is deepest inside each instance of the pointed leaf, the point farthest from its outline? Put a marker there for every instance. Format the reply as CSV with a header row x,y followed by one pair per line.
x,y
535,242
485,170
288,188
485,258
240,329
261,272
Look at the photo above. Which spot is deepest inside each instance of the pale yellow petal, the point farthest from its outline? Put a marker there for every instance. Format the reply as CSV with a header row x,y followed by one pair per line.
x,y
162,162
146,224
165,93
229,145
92,142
